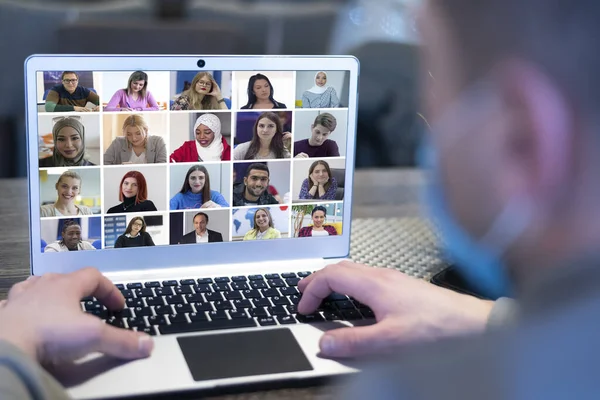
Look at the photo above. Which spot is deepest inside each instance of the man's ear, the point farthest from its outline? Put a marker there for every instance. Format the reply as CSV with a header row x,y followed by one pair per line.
x,y
541,140
245,181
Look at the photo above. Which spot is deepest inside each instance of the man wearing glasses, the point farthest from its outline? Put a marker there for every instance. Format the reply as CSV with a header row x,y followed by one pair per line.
x,y
70,97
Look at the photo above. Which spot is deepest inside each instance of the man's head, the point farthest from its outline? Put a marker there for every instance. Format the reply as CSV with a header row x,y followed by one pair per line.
x,y
70,80
509,92
200,223
256,180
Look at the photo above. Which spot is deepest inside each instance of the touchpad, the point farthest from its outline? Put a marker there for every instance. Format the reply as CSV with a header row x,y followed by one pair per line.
x,y
231,355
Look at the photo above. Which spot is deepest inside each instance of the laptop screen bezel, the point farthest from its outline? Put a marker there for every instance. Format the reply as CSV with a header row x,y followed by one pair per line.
x,y
160,257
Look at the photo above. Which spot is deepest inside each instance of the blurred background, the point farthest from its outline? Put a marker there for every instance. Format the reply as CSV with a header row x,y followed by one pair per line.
x,y
380,33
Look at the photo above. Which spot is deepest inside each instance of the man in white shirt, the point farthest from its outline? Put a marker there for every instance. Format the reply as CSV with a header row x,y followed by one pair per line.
x,y
201,234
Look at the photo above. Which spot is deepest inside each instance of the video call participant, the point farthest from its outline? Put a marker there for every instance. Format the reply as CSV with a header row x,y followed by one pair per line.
x,y
319,213
321,95
135,97
320,184
68,188
318,145
209,145
69,96
253,191
68,134
260,94
133,194
263,226
71,239
267,140
195,189
136,146
201,234
203,94
135,235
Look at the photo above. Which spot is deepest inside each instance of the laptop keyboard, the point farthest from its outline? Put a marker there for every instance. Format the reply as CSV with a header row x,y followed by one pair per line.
x,y
205,304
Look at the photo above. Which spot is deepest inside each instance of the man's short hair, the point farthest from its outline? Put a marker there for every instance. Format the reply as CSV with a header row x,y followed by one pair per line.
x,y
258,166
62,76
201,213
559,36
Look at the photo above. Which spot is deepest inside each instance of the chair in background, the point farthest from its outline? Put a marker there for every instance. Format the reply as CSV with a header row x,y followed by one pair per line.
x,y
340,176
97,244
44,244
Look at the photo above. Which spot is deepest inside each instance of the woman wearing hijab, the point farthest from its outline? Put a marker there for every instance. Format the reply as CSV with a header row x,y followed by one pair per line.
x,y
135,97
136,146
68,134
321,95
68,187
209,145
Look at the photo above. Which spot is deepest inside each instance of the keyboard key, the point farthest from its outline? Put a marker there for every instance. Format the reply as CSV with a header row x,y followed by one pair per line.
x,y
240,304
183,290
170,283
213,296
271,276
201,307
344,305
261,303
87,298
135,285
204,281
295,299
277,310
239,286
216,315
222,279
163,310
120,286
164,291
258,284
351,315
139,293
255,277
128,294
292,309
198,317
316,317
221,287
194,298
178,319
102,314
136,322
336,296
142,311
287,275
238,314
199,326
266,321
187,282
276,283
134,303
116,322
286,319
157,320
304,274
203,288
288,291
239,278
183,308
222,305
258,312
292,281
367,312
174,299
270,292
332,315
124,313
153,284
280,300
252,294
233,295
92,305
149,330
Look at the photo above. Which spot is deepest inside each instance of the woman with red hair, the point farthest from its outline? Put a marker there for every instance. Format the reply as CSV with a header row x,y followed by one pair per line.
x,y
133,194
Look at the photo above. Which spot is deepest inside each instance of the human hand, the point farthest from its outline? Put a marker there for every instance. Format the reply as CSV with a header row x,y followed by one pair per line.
x,y
126,109
301,155
216,90
81,109
406,309
43,317
287,139
97,108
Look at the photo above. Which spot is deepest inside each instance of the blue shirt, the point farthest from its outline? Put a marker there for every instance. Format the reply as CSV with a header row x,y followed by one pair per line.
x,y
189,200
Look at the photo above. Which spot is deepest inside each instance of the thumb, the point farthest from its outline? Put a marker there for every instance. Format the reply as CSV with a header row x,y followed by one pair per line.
x,y
121,343
357,341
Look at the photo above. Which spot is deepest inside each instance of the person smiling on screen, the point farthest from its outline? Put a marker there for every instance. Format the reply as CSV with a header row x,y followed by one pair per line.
x,y
68,188
196,192
319,144
136,146
71,97
135,97
71,239
267,140
135,235
263,226
68,134
133,194
209,145
321,95
203,94
318,214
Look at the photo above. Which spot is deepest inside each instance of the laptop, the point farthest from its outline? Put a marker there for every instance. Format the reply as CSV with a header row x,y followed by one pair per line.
x,y
205,187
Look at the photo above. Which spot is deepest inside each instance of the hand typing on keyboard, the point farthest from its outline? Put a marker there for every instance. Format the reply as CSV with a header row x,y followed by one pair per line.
x,y
406,309
43,317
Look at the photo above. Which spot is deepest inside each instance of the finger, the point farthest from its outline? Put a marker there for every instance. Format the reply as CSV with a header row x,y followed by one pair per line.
x,y
359,283
20,287
90,282
122,343
359,341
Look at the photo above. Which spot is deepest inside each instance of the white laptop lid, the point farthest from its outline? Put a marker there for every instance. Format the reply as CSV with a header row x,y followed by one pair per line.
x,y
98,188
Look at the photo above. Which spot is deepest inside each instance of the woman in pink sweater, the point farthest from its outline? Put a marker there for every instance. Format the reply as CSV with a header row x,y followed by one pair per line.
x,y
135,97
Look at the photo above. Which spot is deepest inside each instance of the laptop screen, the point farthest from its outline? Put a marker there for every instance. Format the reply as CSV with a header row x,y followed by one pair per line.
x,y
155,158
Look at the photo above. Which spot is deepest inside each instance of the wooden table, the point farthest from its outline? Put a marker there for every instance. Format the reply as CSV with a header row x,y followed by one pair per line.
x,y
378,194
